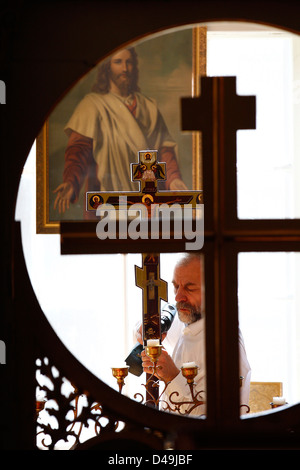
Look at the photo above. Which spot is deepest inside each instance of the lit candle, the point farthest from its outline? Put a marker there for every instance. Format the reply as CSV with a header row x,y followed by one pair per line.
x,y
121,366
279,401
187,365
152,342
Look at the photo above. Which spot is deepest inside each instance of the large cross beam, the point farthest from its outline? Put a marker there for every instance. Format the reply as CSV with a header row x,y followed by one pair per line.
x,y
218,108
218,113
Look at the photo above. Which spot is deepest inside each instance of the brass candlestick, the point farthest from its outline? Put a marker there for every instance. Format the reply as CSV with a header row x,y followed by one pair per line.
x,y
277,405
39,405
189,373
120,373
153,352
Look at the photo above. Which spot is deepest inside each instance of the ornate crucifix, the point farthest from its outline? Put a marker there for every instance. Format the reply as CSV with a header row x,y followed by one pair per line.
x,y
147,172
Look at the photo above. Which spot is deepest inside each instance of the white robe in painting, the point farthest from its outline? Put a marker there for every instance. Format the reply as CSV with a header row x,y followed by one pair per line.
x,y
118,136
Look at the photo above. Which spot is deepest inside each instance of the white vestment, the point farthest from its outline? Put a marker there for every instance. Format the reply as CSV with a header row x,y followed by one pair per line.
x,y
187,344
118,136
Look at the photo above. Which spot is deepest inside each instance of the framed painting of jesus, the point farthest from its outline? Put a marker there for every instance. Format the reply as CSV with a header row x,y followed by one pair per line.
x,y
127,103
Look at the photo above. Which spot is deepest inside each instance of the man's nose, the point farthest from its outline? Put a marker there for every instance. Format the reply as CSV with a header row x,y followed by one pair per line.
x,y
180,295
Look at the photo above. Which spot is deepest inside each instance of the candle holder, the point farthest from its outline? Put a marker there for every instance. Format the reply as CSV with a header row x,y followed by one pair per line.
x,y
189,373
196,400
153,352
39,406
120,373
277,402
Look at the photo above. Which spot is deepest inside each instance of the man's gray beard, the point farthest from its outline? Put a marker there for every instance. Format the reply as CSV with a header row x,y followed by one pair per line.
x,y
188,318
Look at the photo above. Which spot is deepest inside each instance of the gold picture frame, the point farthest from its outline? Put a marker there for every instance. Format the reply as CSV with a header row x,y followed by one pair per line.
x,y
49,144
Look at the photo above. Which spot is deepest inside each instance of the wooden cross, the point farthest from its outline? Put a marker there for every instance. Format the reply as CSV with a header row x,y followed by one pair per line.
x,y
218,108
218,113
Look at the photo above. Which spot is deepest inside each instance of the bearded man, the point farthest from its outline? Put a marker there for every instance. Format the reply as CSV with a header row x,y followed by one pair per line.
x,y
189,335
107,130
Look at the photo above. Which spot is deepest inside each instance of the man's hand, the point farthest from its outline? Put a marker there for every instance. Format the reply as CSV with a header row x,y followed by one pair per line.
x,y
166,368
65,194
139,334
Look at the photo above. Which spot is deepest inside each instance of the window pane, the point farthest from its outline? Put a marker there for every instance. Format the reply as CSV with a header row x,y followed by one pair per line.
x,y
269,317
266,65
91,302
